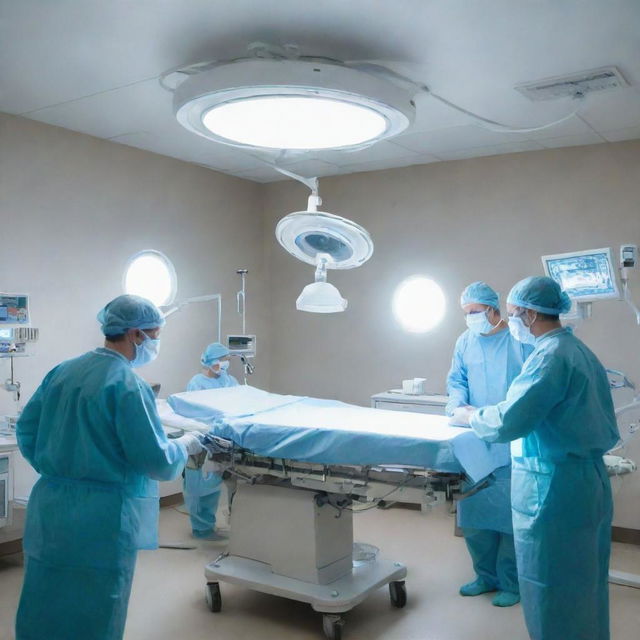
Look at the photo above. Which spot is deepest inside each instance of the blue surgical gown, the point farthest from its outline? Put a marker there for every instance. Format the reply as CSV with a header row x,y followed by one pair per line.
x,y
200,382
482,369
559,413
202,491
92,431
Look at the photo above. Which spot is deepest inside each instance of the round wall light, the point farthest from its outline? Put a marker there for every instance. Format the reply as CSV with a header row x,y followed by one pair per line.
x,y
418,304
150,274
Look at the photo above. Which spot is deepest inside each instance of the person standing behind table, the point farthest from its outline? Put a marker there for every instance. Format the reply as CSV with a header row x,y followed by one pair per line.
x,y
92,431
559,413
485,361
202,490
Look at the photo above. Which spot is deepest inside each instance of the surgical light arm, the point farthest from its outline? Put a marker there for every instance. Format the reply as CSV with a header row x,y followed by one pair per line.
x,y
169,311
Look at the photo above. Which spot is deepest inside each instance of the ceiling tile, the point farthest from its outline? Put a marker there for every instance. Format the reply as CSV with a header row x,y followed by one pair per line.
x,y
383,150
610,110
618,135
312,168
454,139
499,149
572,141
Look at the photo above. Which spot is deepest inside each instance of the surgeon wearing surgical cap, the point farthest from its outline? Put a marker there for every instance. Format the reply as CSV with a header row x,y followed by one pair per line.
x,y
92,432
559,416
202,490
485,361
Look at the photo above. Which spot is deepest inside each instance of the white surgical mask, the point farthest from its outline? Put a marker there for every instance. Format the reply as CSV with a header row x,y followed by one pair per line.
x,y
224,365
479,323
520,331
146,351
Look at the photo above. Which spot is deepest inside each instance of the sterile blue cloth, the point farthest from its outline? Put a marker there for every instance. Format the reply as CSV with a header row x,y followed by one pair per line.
x,y
226,403
91,430
200,382
560,412
332,432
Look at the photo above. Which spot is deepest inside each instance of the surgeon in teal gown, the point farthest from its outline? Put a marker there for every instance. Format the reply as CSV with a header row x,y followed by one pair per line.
x,y
485,361
559,416
202,490
92,432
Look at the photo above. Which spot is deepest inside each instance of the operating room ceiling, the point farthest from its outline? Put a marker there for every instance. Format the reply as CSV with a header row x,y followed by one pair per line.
x,y
92,66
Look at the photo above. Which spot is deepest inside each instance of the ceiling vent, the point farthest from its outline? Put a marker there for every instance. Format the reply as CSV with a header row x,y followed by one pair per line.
x,y
573,85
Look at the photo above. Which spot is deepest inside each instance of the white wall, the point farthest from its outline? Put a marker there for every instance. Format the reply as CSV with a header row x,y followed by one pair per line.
x,y
487,218
74,208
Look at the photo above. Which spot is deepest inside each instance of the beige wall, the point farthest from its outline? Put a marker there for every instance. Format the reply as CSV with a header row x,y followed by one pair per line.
x,y
74,208
487,218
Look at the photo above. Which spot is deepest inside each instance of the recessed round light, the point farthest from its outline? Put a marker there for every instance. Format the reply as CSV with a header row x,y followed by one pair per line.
x,y
292,104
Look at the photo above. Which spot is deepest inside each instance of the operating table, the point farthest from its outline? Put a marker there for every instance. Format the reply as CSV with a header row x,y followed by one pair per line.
x,y
299,468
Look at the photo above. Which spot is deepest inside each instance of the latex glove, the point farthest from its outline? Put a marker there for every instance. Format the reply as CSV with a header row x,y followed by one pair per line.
x,y
461,416
191,443
210,466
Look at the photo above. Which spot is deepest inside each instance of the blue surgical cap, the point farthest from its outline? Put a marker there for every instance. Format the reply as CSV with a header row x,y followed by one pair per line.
x,y
129,312
480,293
540,294
213,353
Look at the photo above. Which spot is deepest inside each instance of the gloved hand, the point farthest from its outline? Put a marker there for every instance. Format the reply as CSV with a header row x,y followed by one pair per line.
x,y
191,443
461,416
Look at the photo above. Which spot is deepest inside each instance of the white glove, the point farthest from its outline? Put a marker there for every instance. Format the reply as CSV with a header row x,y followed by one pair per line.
x,y
461,416
191,443
210,466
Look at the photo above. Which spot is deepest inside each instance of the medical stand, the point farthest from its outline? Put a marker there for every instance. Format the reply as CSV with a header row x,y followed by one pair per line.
x,y
241,307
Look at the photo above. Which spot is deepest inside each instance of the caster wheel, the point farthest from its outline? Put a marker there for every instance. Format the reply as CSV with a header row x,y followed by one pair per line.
x,y
398,593
332,626
213,597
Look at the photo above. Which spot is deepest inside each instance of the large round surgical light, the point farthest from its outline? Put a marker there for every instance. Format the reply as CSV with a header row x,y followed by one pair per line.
x,y
150,274
283,122
419,304
300,104
309,234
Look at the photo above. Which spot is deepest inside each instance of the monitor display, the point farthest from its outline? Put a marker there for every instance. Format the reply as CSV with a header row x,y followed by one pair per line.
x,y
584,275
14,309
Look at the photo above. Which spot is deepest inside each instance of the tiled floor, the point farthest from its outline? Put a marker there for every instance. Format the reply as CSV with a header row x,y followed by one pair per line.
x,y
168,603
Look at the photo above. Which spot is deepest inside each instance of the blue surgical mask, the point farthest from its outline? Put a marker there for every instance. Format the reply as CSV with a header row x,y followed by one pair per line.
x,y
478,323
146,352
520,331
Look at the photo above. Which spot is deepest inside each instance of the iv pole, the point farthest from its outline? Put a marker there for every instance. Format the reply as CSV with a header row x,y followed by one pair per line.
x,y
241,302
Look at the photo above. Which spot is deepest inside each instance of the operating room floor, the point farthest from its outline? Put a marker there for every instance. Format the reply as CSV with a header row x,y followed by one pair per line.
x,y
167,602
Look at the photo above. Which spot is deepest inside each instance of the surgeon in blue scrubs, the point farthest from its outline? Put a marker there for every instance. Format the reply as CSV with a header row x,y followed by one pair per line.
x,y
92,432
485,361
202,490
559,416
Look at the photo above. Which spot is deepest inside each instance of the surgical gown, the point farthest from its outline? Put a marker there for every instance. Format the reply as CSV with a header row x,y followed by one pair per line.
x,y
202,491
560,414
91,430
482,369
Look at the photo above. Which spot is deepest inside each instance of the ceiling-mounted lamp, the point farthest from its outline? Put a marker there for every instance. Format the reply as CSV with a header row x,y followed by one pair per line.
x,y
297,104
326,241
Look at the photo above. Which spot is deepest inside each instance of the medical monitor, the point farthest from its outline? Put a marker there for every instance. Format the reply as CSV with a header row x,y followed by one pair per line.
x,y
14,310
584,275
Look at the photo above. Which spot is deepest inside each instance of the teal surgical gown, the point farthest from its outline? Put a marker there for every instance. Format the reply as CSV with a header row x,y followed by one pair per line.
x,y
202,491
560,415
482,369
200,382
92,431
